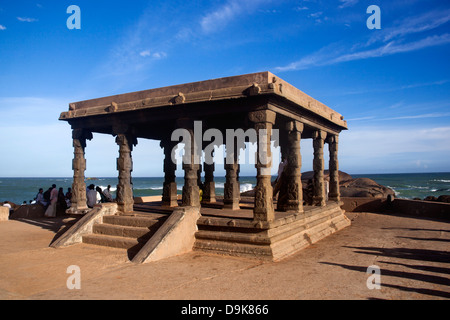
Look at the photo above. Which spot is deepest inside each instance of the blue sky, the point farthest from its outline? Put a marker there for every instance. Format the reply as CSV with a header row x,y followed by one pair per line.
x,y
391,84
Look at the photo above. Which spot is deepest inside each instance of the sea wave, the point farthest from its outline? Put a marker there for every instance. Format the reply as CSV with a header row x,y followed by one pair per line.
x,y
441,180
243,187
112,189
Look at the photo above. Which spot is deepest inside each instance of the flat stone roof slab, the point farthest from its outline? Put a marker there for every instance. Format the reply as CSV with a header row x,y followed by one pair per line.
x,y
235,87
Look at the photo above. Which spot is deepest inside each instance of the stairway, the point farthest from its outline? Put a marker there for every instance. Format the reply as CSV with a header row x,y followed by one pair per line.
x,y
129,232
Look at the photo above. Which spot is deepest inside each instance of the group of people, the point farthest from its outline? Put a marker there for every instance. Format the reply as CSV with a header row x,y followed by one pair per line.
x,y
96,195
54,200
57,202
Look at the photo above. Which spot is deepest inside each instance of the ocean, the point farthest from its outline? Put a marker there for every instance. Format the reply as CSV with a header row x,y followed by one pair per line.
x,y
406,186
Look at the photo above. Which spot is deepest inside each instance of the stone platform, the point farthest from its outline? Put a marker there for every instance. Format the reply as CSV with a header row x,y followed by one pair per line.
x,y
235,233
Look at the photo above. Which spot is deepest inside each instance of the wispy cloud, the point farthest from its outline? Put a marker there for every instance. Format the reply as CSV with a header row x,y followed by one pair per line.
x,y
394,47
420,116
424,22
389,41
223,15
216,19
2,27
347,3
25,19
154,55
324,57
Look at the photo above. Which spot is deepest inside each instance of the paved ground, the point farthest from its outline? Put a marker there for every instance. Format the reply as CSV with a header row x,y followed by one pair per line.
x,y
413,255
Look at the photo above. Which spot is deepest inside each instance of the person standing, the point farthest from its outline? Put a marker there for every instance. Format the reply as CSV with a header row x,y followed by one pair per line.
x,y
61,205
51,210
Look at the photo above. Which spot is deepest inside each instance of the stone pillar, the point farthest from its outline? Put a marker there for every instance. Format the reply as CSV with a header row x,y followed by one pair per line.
x,y
319,196
191,191
292,197
334,194
78,200
169,196
209,194
232,195
124,198
264,121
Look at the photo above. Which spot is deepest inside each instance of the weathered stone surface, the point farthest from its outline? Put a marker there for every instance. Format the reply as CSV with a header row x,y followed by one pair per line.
x,y
29,212
261,83
124,167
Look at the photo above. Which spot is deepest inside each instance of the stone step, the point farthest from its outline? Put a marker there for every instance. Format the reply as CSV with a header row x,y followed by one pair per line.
x,y
134,221
259,238
112,241
139,233
128,232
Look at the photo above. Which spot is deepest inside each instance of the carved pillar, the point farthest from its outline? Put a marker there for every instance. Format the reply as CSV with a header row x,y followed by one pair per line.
x,y
291,194
209,194
169,196
334,194
78,200
125,199
232,195
191,191
264,121
319,196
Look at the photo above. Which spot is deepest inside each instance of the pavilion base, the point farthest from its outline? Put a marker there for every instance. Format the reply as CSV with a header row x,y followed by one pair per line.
x,y
269,241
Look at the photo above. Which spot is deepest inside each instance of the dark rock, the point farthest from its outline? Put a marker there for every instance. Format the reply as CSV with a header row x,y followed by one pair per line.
x,y
430,198
444,198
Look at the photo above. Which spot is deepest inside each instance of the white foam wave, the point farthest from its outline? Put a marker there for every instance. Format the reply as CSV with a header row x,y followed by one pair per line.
x,y
112,189
441,180
246,187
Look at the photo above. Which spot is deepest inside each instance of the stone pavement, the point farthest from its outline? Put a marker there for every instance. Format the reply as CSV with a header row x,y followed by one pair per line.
x,y
413,255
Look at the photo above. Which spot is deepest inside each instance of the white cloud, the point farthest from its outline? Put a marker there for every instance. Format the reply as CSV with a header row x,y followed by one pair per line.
x,y
222,16
394,47
2,27
24,19
427,21
159,55
390,41
347,3
145,53
326,57
155,55
212,21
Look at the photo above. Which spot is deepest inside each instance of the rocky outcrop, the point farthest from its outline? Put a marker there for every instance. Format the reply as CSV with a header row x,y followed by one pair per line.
x,y
348,186
354,187
443,198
